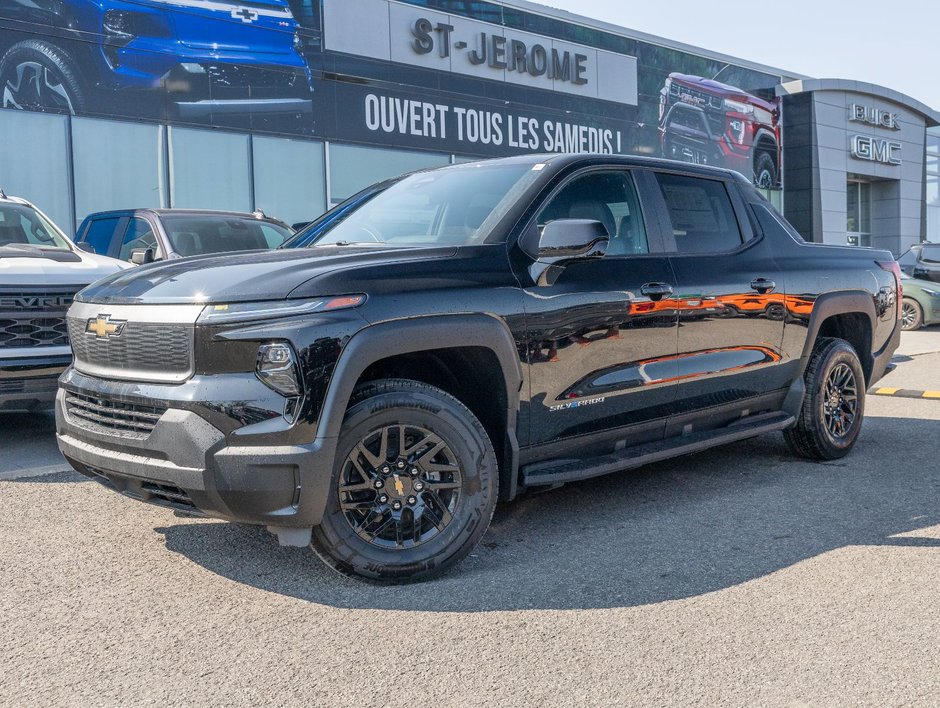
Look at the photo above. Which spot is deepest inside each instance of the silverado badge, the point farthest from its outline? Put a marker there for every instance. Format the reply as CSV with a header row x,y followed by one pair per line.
x,y
104,327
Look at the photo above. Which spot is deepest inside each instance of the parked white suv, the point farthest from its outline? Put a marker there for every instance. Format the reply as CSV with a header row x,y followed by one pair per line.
x,y
40,272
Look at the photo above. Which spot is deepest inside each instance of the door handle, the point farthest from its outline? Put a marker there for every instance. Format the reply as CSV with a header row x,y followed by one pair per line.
x,y
656,291
762,285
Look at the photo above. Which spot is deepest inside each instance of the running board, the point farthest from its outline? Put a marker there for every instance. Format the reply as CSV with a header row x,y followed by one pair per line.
x,y
542,474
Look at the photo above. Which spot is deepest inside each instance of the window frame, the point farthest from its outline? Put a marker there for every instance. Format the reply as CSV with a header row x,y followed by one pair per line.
x,y
529,235
750,236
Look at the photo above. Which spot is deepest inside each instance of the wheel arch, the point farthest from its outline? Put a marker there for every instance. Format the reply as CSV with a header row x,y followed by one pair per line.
x,y
766,141
848,315
471,356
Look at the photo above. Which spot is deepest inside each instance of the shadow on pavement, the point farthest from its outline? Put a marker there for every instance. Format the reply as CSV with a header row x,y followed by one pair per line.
x,y
679,529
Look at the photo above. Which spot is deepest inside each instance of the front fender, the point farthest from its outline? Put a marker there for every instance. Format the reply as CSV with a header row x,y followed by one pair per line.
x,y
408,336
420,334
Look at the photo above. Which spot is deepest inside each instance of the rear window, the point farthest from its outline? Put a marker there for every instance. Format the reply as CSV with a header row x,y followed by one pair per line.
x,y
701,214
197,235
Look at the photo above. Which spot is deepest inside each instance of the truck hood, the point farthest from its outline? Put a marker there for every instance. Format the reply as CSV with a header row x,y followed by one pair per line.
x,y
717,88
251,275
80,270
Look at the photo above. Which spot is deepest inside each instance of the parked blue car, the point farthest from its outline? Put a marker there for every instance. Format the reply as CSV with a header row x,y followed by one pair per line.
x,y
203,61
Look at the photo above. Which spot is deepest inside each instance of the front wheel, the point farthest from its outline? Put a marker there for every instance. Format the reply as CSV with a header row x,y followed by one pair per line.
x,y
834,405
765,171
414,484
38,76
912,314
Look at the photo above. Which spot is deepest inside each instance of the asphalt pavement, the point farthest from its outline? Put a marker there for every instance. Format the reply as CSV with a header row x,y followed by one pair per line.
x,y
736,576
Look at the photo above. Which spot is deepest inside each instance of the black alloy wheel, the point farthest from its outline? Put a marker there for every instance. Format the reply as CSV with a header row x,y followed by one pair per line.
x,y
414,485
400,486
841,400
830,419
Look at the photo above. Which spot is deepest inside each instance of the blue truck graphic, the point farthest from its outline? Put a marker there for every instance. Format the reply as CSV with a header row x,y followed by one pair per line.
x,y
203,61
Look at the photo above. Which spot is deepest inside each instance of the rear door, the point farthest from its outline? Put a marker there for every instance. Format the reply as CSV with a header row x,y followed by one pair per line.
x,y
602,334
731,303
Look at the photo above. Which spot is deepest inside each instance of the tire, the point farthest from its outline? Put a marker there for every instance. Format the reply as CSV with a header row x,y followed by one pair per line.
x,y
38,76
446,499
912,314
765,171
821,431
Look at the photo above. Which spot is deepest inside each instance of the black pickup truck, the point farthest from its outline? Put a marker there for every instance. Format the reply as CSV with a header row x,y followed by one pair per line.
x,y
465,334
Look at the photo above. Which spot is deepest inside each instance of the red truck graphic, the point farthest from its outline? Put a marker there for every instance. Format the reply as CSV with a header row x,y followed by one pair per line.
x,y
707,122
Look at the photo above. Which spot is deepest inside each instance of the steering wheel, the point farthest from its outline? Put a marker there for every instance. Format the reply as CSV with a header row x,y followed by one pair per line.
x,y
372,236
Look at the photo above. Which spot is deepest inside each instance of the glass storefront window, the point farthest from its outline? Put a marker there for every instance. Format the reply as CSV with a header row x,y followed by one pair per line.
x,y
209,170
353,168
933,224
858,213
35,162
117,165
290,182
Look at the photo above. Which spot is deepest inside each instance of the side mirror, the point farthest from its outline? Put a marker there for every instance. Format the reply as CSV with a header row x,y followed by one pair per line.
x,y
142,256
565,239
86,247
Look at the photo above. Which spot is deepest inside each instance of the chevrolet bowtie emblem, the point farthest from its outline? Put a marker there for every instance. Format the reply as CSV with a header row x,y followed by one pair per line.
x,y
399,487
103,326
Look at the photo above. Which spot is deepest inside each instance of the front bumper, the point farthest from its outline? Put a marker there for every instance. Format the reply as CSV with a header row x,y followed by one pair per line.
x,y
881,360
195,110
193,460
30,383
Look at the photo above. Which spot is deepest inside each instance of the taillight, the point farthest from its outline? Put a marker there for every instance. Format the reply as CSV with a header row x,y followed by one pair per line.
x,y
894,267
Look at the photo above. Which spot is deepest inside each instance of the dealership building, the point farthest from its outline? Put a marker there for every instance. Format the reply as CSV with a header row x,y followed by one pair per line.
x,y
292,106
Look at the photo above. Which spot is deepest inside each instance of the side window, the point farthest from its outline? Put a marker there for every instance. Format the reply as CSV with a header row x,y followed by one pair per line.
x,y
138,234
608,197
99,234
930,254
701,213
272,236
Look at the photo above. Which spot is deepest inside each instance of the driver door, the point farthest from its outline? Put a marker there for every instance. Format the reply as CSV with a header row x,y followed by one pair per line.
x,y
602,335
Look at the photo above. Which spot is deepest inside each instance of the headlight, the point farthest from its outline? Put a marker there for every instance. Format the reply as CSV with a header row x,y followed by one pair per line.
x,y
277,368
119,26
270,309
738,107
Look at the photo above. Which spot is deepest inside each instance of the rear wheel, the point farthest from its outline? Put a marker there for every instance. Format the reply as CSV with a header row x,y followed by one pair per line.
x,y
912,314
414,485
834,405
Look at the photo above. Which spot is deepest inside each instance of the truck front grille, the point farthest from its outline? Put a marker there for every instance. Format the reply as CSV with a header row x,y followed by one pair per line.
x,y
28,332
143,350
33,318
263,82
104,415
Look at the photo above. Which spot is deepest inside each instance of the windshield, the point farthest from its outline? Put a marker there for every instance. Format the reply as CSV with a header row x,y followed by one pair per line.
x,y
21,225
193,235
452,206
